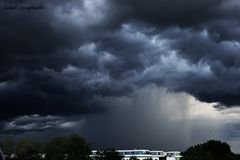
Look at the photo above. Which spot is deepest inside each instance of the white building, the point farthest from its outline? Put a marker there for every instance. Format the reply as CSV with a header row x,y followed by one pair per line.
x,y
143,154
158,155
173,155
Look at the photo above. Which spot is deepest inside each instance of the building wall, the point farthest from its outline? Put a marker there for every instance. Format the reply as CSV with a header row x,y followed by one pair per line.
x,y
145,154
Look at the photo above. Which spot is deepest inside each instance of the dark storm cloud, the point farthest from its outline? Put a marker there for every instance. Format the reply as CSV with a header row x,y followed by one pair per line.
x,y
32,42
171,12
35,123
44,92
222,58
64,59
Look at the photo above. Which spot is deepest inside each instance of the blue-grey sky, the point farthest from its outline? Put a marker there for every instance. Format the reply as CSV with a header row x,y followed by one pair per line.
x,y
160,74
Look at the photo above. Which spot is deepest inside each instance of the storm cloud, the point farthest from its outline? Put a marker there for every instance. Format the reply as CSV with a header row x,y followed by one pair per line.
x,y
64,60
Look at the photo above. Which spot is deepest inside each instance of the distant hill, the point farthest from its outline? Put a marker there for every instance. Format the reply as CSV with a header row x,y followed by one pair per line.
x,y
211,150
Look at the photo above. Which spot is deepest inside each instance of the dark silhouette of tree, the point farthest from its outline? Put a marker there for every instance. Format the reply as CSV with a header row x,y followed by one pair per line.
x,y
77,148
72,147
28,150
67,148
55,149
108,154
8,146
211,150
24,149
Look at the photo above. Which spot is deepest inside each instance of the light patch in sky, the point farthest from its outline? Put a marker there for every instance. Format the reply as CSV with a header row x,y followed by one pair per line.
x,y
150,118
84,14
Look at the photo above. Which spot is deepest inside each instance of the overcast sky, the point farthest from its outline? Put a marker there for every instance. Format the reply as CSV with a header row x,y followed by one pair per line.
x,y
155,74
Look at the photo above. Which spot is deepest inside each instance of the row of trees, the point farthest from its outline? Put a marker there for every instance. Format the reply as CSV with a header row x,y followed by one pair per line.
x,y
72,147
211,150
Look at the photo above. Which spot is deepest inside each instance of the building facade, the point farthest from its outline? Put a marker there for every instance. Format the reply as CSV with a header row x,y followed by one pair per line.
x,y
143,154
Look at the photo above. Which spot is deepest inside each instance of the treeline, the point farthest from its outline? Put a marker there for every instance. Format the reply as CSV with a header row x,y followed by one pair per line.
x,y
72,147
211,150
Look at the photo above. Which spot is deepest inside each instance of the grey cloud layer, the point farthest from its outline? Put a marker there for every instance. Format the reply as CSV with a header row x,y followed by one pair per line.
x,y
149,117
36,123
64,59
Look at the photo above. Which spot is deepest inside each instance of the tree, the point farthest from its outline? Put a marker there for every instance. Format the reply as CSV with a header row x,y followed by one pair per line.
x,y
28,150
24,149
8,147
55,149
72,147
78,148
108,154
211,150
67,148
